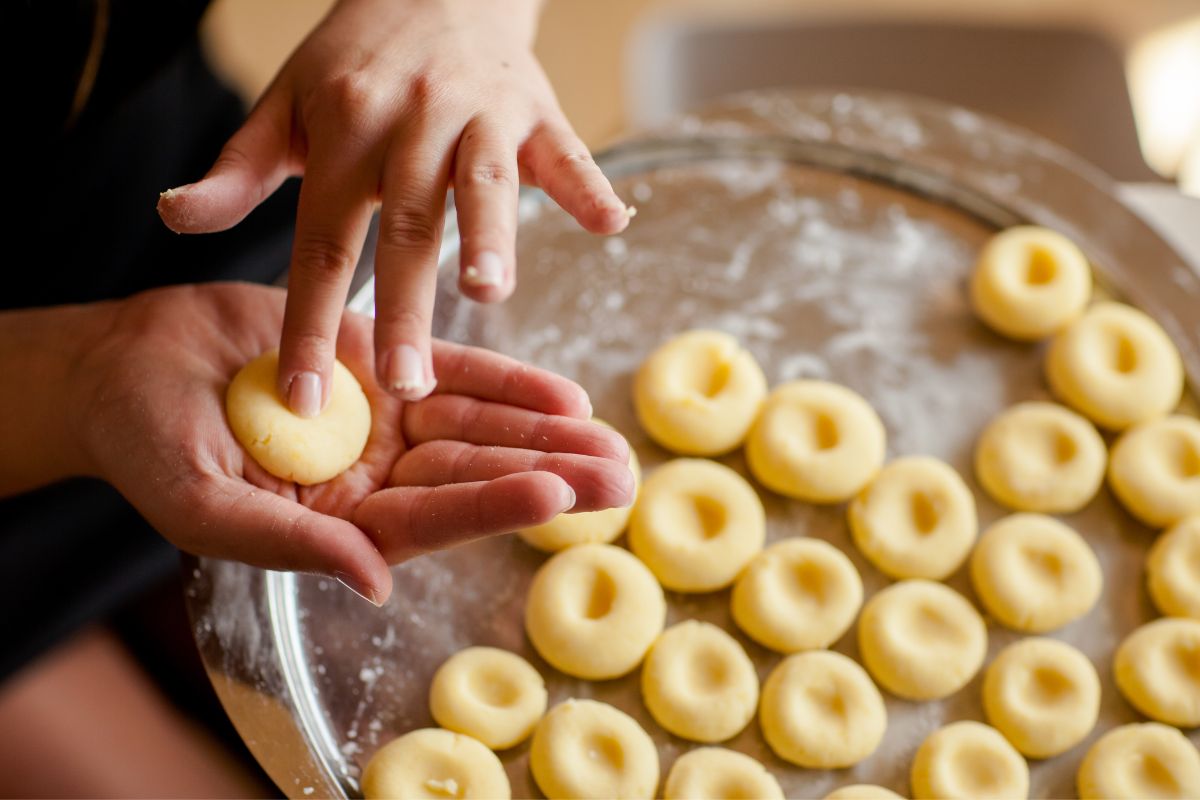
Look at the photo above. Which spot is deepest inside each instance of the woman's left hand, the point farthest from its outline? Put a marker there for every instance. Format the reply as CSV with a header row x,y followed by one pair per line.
x,y
498,447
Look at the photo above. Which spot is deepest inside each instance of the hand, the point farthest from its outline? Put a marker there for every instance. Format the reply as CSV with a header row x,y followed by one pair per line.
x,y
395,101
499,446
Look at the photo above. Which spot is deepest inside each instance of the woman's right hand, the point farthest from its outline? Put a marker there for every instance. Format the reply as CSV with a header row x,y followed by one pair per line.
x,y
394,101
499,446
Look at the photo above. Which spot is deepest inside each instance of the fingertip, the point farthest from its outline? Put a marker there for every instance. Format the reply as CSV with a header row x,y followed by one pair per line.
x,y
372,581
572,401
618,488
546,495
216,203
305,394
172,208
406,374
615,219
484,270
484,278
612,444
629,490
605,215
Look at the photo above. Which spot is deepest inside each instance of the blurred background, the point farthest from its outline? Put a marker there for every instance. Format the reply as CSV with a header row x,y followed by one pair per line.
x,y
1116,81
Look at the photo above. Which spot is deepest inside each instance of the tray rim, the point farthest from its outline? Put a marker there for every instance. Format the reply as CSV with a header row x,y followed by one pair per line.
x,y
277,600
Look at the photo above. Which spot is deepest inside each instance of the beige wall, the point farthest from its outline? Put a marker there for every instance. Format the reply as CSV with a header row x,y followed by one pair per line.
x,y
582,42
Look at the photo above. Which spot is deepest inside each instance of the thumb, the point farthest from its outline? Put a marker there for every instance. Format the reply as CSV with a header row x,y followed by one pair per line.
x,y
251,166
235,520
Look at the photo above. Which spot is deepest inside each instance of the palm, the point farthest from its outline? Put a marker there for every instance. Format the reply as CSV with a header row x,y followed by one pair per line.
x,y
499,446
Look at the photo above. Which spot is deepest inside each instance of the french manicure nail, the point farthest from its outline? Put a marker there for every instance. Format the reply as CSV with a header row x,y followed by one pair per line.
x,y
488,270
570,501
405,370
630,211
363,592
304,395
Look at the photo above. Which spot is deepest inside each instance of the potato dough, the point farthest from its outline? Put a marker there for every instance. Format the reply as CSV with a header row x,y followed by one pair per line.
x,y
1034,574
490,694
862,791
586,749
586,526
1155,470
1173,570
821,710
1116,366
306,451
1030,282
816,441
1139,761
696,524
969,760
434,763
1157,668
1043,695
798,594
593,611
714,773
921,640
698,394
1041,457
698,682
915,520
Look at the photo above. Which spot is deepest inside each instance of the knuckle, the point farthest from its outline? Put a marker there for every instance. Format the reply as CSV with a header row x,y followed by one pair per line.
x,y
423,91
409,227
232,156
462,461
353,96
307,349
490,234
323,258
489,173
573,160
399,319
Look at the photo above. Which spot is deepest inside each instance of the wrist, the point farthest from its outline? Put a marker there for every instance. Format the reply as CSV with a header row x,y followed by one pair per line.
x,y
41,416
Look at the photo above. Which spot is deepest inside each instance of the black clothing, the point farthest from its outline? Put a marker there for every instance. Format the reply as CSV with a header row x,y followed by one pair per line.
x,y
85,228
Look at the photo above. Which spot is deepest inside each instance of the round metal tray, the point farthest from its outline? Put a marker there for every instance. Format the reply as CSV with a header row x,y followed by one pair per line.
x,y
832,233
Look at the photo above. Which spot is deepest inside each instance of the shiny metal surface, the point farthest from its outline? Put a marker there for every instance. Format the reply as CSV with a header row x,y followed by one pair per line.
x,y
832,232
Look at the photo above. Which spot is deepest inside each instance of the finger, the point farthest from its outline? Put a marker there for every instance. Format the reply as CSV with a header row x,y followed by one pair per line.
x,y
406,259
408,521
251,166
336,202
562,166
465,419
487,375
265,530
598,483
485,198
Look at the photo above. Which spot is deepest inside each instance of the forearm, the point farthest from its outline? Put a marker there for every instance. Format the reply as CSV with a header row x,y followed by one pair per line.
x,y
39,351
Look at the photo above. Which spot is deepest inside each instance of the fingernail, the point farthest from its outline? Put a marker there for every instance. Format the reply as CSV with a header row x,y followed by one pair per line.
x,y
631,211
571,498
488,270
591,411
304,395
405,371
363,592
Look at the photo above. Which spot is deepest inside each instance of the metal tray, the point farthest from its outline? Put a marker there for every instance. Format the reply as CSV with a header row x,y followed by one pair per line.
x,y
832,232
